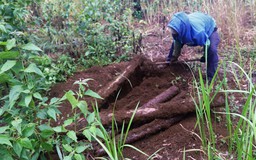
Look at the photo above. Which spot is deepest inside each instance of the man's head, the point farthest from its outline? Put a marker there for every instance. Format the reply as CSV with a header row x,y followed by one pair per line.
x,y
180,27
174,33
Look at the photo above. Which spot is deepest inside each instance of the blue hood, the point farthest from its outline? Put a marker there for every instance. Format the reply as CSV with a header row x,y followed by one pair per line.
x,y
193,29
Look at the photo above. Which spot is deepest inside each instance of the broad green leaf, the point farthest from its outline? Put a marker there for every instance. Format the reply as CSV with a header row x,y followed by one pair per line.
x,y
90,118
82,105
4,139
69,157
92,129
7,65
4,153
67,147
80,149
67,122
26,91
9,54
42,114
37,96
22,103
28,130
59,129
14,94
3,129
54,100
47,146
71,98
2,28
17,148
19,67
10,44
32,68
15,91
28,99
17,125
47,133
92,94
1,111
78,157
44,127
4,78
35,156
52,113
31,47
26,143
72,135
87,134
24,154
99,133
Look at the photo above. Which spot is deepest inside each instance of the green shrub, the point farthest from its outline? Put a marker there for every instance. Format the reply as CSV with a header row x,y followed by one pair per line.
x,y
55,70
91,30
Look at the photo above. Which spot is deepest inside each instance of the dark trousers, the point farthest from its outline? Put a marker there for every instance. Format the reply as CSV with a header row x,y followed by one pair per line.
x,y
212,55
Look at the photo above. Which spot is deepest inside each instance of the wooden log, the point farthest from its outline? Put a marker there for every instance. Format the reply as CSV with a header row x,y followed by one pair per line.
x,y
151,128
146,130
161,98
181,104
127,79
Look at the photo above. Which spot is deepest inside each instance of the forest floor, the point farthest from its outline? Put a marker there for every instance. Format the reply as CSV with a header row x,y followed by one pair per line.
x,y
168,124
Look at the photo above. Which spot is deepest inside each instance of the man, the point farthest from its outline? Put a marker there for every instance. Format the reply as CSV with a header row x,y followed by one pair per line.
x,y
195,29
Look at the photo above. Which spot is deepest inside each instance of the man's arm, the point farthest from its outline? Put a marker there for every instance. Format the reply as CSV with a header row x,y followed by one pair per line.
x,y
174,51
169,57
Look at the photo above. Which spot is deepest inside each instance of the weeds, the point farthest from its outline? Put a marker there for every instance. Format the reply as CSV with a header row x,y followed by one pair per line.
x,y
100,32
92,31
241,135
55,70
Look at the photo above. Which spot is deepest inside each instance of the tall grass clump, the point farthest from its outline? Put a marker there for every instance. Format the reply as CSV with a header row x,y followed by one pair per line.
x,y
240,124
243,137
205,93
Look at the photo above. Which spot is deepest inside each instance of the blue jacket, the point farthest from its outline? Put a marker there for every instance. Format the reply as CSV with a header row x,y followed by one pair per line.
x,y
194,29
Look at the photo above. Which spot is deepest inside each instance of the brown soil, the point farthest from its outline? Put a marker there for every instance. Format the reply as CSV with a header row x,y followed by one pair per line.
x,y
139,81
170,124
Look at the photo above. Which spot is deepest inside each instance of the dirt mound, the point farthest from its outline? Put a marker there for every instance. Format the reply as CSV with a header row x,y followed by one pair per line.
x,y
165,105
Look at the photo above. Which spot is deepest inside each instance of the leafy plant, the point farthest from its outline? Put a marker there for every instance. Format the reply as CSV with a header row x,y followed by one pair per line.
x,y
55,70
23,106
92,31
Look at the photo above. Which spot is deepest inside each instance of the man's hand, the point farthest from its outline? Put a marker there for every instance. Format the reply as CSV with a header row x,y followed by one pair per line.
x,y
202,59
174,60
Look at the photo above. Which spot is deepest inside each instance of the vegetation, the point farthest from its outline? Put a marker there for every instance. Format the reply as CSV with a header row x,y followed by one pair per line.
x,y
45,41
235,20
27,72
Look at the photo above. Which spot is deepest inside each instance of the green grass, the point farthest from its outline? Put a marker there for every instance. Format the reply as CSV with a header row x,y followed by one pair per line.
x,y
241,126
114,145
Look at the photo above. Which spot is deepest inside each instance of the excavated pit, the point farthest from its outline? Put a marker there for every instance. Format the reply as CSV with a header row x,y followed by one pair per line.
x,y
162,93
